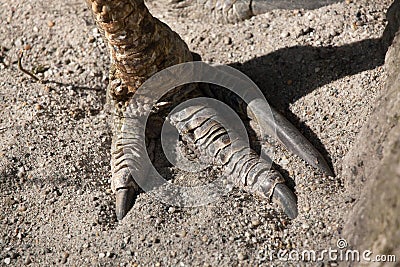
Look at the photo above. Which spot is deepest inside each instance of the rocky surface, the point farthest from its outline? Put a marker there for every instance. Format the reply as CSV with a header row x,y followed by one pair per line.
x,y
375,221
322,68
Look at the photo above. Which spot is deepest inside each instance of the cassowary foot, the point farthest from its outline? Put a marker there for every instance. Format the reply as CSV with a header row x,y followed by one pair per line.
x,y
140,46
201,129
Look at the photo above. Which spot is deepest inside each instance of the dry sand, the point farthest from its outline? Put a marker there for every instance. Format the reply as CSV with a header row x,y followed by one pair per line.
x,y
323,69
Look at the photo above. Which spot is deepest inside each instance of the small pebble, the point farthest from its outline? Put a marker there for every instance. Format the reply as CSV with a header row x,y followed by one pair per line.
x,y
171,209
255,222
249,35
182,233
285,34
102,255
21,172
65,257
22,207
129,253
284,161
306,209
311,16
7,261
241,256
38,107
334,33
18,42
158,221
227,40
91,39
50,23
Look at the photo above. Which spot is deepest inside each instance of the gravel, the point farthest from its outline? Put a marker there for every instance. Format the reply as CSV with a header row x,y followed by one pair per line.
x,y
322,69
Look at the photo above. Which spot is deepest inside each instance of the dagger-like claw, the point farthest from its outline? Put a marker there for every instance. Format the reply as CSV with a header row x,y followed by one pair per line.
x,y
286,199
124,201
295,142
262,6
287,134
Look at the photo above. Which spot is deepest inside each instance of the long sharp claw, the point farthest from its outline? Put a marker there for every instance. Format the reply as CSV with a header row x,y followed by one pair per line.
x,y
124,201
288,135
262,6
291,137
286,199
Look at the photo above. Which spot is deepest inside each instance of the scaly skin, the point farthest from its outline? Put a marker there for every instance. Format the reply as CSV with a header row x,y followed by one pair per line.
x,y
140,46
201,128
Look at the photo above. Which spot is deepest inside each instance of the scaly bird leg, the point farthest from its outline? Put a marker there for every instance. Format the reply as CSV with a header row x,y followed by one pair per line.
x,y
139,45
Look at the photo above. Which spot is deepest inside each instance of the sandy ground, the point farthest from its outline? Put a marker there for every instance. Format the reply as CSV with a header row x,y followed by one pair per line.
x,y
323,69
